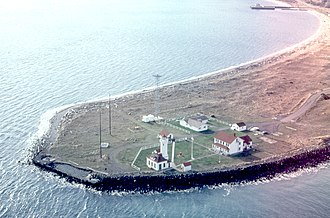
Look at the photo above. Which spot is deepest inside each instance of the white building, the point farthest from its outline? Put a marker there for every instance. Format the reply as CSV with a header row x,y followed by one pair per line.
x,y
238,126
229,144
186,166
194,124
150,118
201,118
157,162
159,159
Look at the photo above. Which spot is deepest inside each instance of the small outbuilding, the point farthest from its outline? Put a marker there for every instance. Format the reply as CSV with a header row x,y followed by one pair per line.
x,y
150,118
240,127
194,124
186,166
201,118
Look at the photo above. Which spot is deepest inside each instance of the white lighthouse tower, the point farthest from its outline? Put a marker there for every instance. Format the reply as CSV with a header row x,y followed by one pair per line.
x,y
163,146
164,138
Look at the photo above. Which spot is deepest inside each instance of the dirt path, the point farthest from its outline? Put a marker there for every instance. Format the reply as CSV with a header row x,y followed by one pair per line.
x,y
311,102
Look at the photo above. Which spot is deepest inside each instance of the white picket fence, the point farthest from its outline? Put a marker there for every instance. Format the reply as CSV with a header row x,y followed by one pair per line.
x,y
137,155
175,127
220,121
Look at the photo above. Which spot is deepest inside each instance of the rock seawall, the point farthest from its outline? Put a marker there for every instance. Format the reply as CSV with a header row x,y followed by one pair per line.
x,y
175,181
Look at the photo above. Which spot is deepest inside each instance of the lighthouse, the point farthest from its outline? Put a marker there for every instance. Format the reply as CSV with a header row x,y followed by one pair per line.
x,y
164,138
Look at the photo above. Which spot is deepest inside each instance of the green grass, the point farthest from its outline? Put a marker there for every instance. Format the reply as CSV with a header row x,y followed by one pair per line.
x,y
205,139
141,160
217,125
127,156
183,147
208,162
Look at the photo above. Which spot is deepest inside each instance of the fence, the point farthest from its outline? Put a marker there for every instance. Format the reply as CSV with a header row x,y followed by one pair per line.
x,y
137,155
220,121
175,127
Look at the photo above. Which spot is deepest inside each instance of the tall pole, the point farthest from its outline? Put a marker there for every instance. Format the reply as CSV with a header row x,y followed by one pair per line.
x,y
157,76
173,151
110,120
192,148
100,137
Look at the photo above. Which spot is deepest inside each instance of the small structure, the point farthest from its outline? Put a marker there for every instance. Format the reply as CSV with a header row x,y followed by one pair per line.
x,y
104,145
240,127
194,124
201,118
229,144
150,118
186,166
157,162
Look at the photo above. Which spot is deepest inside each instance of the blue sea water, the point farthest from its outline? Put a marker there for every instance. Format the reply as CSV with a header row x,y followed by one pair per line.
x,y
59,52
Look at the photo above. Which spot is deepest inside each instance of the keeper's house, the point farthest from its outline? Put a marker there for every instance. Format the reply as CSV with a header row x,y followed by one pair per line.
x,y
229,144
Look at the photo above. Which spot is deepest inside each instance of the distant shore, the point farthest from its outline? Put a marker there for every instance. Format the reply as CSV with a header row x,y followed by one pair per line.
x,y
267,80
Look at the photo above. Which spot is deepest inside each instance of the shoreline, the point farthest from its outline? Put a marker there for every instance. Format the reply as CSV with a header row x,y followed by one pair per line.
x,y
248,66
266,59
150,182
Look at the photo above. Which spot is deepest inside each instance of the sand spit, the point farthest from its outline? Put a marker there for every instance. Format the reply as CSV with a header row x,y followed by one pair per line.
x,y
260,91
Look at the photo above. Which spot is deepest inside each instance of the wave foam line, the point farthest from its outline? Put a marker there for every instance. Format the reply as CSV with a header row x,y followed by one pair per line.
x,y
44,124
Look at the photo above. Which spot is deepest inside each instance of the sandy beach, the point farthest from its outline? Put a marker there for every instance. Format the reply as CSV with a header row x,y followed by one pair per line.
x,y
264,91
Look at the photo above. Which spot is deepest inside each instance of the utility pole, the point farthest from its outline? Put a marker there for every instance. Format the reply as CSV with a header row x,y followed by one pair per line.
x,y
157,76
110,120
100,137
192,148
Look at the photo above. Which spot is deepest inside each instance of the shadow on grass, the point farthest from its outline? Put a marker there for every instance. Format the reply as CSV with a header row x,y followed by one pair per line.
x,y
208,132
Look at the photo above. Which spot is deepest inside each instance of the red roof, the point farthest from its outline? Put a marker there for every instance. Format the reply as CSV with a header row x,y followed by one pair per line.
x,y
246,139
157,158
164,133
186,164
225,137
221,146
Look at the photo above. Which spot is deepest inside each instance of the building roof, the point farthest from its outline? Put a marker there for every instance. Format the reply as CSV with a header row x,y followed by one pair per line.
x,y
225,137
164,133
157,158
246,139
186,164
195,123
200,118
240,124
221,146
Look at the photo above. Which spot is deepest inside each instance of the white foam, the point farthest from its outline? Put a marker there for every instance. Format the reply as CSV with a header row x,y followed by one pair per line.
x,y
44,123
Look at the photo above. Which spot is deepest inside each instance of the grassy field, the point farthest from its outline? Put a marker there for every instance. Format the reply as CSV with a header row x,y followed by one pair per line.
x,y
81,145
182,154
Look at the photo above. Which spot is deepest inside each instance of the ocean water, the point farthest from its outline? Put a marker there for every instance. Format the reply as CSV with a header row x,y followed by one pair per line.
x,y
59,52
